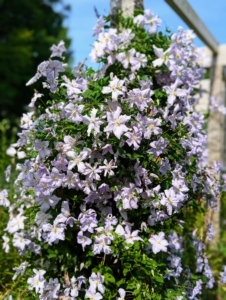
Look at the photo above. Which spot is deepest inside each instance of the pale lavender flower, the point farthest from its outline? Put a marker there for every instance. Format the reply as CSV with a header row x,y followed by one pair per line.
x,y
65,213
20,270
73,112
83,240
15,224
24,168
210,232
152,22
58,50
88,186
158,147
116,122
57,177
60,163
128,196
164,166
72,181
41,218
55,67
37,281
107,148
175,242
173,92
97,281
93,122
53,83
223,275
108,167
34,99
195,122
97,51
72,86
126,36
152,126
99,26
102,245
111,220
47,201
51,289
70,142
20,241
88,223
138,61
42,148
197,289
134,138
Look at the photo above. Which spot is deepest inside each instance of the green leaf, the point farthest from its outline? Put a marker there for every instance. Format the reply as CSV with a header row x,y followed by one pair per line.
x,y
109,278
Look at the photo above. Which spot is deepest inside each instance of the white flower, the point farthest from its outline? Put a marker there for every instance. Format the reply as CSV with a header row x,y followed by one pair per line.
x,y
4,198
92,295
19,241
5,245
26,120
130,237
158,242
37,281
115,87
122,294
162,57
77,160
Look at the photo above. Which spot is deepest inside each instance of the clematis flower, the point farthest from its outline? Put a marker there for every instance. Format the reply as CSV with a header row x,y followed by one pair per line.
x,y
134,138
93,122
58,50
4,201
73,112
116,122
158,242
108,167
115,88
122,294
37,281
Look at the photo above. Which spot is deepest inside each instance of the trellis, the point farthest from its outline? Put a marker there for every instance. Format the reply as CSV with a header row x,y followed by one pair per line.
x,y
214,86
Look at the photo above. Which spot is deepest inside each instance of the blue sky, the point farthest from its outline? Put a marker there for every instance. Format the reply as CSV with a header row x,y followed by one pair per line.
x,y
82,19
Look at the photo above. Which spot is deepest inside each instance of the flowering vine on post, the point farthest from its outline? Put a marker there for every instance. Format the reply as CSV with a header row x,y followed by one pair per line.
x,y
115,172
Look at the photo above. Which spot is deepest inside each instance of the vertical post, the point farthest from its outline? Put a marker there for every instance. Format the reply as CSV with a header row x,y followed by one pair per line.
x,y
126,6
216,125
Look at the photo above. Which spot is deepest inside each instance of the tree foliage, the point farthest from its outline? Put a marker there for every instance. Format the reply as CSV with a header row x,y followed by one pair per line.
x,y
27,30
